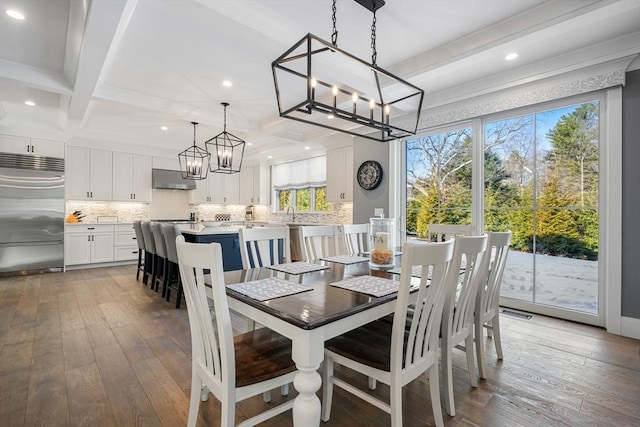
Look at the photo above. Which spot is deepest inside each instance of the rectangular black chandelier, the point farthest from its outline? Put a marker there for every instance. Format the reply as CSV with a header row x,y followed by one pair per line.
x,y
320,84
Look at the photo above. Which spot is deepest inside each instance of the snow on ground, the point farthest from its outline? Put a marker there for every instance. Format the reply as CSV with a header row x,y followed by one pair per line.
x,y
560,282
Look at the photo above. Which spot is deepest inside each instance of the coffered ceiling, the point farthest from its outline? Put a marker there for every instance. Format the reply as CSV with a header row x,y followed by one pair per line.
x,y
111,73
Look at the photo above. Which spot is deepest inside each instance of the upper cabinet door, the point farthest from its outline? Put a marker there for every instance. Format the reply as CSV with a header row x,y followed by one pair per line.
x,y
340,177
77,174
46,148
142,166
232,189
31,146
131,177
101,171
123,177
247,188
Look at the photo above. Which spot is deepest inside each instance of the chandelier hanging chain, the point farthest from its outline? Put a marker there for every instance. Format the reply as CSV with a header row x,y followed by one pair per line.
x,y
334,35
194,132
225,118
374,53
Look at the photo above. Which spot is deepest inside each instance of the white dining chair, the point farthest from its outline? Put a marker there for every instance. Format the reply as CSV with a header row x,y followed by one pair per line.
x,y
232,368
264,246
457,318
384,351
442,232
318,241
356,238
487,310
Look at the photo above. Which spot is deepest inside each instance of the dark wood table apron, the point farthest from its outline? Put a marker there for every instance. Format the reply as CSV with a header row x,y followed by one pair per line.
x,y
310,318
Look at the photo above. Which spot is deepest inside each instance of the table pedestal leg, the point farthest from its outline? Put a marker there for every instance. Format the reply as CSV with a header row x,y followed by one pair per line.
x,y
306,407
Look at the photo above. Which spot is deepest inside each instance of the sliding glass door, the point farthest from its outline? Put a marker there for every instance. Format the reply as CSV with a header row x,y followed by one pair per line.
x,y
539,177
541,174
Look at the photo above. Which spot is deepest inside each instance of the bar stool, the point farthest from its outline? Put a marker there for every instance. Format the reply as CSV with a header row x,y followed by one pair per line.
x,y
161,257
173,281
137,226
150,254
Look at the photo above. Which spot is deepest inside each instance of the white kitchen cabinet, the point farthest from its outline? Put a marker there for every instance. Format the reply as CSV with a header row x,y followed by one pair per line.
x,y
131,177
252,190
218,188
340,175
201,193
231,188
88,174
125,245
88,244
31,146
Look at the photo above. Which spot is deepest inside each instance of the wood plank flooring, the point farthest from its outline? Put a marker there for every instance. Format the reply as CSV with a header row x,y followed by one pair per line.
x,y
96,347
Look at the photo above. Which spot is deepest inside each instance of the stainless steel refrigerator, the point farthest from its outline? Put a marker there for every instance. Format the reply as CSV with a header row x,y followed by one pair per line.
x,y
31,214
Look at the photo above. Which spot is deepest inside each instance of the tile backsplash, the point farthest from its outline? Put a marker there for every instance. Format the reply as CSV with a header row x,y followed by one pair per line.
x,y
174,204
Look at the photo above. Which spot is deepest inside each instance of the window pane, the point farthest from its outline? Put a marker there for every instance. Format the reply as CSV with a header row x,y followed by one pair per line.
x,y
303,200
438,180
321,199
284,199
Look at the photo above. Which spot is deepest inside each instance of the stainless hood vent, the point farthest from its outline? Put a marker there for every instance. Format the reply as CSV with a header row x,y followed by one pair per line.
x,y
171,180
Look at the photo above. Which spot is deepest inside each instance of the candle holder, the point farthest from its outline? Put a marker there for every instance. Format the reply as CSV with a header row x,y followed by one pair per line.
x,y
382,234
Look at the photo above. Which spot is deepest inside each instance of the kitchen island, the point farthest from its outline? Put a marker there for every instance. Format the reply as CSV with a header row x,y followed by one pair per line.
x,y
226,235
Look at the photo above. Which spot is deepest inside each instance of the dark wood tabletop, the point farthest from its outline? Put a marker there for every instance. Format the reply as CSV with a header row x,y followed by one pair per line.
x,y
323,304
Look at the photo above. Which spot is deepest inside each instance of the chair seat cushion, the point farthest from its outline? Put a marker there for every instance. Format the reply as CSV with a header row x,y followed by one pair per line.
x,y
261,354
369,344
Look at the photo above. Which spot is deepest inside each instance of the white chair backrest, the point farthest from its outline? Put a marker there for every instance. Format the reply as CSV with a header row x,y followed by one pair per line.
x,y
137,227
264,246
462,286
212,349
492,268
422,341
161,246
318,241
356,238
149,242
169,233
442,232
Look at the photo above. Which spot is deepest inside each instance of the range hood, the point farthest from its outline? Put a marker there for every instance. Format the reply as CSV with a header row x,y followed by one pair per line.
x,y
171,180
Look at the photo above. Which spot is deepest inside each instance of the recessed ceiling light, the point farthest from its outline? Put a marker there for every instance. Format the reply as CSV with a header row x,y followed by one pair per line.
x,y
30,103
164,128
511,56
306,148
249,143
227,83
15,14
330,116
269,157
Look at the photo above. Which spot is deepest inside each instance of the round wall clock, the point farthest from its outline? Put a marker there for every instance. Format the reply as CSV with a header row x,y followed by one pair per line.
x,y
369,174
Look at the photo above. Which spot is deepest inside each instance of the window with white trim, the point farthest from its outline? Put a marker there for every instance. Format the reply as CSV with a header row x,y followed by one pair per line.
x,y
301,184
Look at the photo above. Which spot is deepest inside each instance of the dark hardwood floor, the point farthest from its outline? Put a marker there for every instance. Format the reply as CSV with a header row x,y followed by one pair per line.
x,y
96,347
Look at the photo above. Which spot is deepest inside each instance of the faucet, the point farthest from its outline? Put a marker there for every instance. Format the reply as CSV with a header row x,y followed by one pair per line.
x,y
293,213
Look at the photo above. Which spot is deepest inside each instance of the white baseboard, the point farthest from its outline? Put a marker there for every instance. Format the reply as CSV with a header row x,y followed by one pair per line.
x,y
630,327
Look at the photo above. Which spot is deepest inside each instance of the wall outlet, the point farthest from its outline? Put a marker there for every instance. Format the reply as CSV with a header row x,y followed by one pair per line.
x,y
378,212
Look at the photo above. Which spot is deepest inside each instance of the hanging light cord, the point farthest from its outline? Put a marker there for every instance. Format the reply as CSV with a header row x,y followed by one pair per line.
x,y
334,35
374,53
194,134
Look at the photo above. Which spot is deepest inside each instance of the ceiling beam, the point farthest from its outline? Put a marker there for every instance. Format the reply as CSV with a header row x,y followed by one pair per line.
x,y
105,24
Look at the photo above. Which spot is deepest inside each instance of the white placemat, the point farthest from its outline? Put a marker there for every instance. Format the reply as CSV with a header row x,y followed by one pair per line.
x,y
370,285
269,288
297,267
345,259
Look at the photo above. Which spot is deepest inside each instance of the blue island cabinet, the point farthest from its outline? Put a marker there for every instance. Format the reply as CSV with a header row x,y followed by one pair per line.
x,y
230,243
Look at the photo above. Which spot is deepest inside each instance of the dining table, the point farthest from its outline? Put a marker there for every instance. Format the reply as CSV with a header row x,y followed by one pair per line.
x,y
319,311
